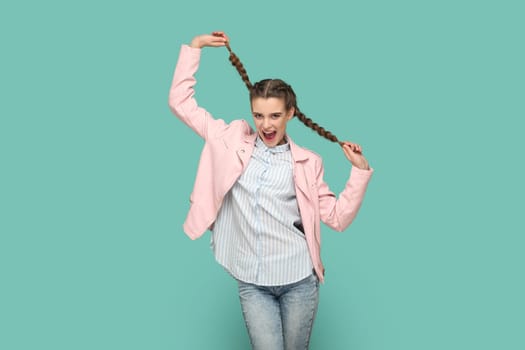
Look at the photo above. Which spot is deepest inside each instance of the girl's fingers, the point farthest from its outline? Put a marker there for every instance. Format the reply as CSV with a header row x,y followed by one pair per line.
x,y
220,34
353,146
216,40
348,149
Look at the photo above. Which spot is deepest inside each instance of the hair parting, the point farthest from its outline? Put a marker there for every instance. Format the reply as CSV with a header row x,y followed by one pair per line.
x,y
277,88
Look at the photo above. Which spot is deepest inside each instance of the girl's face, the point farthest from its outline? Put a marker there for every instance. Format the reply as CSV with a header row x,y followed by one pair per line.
x,y
270,117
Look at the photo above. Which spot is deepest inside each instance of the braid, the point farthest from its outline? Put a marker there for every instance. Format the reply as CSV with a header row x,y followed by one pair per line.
x,y
278,88
236,62
316,127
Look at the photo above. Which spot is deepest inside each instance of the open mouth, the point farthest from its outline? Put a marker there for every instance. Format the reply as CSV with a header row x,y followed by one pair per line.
x,y
269,136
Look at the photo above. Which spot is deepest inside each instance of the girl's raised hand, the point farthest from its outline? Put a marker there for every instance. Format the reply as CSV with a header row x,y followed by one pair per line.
x,y
214,39
354,154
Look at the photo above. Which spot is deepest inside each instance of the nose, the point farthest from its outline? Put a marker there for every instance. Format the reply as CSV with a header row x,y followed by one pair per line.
x,y
266,123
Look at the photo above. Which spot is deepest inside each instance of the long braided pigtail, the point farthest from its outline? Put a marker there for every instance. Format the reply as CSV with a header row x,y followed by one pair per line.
x,y
278,88
316,127
236,62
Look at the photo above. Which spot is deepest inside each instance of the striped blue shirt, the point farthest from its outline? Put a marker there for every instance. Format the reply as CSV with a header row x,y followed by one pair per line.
x,y
254,237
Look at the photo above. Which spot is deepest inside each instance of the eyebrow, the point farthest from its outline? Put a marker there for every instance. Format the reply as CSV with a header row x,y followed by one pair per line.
x,y
272,113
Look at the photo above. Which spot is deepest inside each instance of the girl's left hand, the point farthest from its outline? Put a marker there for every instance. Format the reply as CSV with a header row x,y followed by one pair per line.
x,y
214,39
354,154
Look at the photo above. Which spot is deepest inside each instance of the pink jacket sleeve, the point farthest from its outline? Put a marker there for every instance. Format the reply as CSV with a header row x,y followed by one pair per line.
x,y
181,100
338,213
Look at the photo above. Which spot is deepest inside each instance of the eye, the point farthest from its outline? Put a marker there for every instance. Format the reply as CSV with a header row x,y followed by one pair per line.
x,y
276,115
257,115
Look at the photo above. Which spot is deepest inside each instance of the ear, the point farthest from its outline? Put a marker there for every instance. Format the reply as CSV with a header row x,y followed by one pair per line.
x,y
291,113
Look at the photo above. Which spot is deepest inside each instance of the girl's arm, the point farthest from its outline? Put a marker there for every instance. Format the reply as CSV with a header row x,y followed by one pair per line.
x,y
338,213
181,100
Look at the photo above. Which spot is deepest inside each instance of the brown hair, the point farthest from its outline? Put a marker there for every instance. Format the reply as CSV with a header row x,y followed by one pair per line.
x,y
277,88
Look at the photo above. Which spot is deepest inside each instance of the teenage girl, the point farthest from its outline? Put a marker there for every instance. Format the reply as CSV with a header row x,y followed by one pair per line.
x,y
263,197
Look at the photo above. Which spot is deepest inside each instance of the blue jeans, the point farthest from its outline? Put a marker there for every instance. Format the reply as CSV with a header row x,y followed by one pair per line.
x,y
280,317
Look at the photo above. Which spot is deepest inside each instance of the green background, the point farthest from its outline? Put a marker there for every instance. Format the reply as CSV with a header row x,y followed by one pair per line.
x,y
96,173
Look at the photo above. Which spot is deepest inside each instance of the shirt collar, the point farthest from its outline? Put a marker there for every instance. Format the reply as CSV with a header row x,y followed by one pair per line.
x,y
277,149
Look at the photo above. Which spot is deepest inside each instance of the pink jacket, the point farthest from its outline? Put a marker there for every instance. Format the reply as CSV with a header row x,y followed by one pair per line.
x,y
227,150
